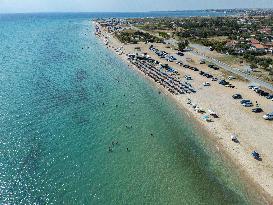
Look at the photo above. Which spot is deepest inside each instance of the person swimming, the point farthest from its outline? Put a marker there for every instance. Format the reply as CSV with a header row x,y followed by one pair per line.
x,y
127,149
110,149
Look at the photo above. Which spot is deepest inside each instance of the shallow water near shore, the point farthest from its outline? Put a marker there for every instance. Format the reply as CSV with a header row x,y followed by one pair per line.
x,y
65,98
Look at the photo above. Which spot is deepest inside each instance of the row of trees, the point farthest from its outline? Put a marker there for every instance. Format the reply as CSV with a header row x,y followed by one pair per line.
x,y
136,36
207,27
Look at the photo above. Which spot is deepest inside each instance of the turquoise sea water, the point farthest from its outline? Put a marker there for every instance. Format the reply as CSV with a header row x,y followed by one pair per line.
x,y
64,98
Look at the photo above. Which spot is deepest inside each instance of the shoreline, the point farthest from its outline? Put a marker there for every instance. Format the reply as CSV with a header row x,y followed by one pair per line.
x,y
212,134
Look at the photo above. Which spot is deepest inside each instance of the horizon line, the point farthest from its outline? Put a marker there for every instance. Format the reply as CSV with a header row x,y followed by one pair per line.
x,y
208,9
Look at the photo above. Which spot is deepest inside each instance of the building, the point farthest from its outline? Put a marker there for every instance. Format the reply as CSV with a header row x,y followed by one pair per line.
x,y
257,47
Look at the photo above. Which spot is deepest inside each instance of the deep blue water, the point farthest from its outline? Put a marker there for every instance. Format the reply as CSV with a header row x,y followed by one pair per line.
x,y
110,15
64,98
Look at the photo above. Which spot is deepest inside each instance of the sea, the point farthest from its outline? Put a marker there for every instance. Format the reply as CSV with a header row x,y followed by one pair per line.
x,y
78,126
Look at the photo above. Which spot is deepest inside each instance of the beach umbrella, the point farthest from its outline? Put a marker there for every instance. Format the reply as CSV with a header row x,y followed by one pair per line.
x,y
234,137
205,117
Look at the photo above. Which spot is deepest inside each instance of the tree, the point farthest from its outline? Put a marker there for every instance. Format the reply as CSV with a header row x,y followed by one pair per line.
x,y
182,45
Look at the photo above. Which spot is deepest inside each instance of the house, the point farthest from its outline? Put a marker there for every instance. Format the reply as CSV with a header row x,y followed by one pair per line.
x,y
268,47
253,41
257,47
231,44
265,30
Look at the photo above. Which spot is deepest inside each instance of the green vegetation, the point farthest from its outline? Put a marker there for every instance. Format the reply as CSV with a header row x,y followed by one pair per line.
x,y
164,35
207,27
182,45
262,62
246,38
134,37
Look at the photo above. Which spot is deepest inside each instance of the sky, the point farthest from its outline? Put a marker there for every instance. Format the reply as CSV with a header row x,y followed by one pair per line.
x,y
24,6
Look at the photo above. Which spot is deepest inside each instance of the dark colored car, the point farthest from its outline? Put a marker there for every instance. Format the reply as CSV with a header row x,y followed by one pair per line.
x,y
237,96
245,101
264,94
195,69
211,66
257,110
215,68
223,82
180,53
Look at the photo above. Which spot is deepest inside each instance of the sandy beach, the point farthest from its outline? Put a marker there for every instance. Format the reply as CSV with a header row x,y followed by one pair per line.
x,y
254,133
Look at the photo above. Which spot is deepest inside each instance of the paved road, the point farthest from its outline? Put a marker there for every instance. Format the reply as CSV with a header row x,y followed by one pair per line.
x,y
227,67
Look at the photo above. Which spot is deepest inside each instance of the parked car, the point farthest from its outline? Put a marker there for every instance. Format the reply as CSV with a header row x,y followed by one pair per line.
x,y
214,79
255,88
268,116
180,53
237,96
187,77
179,63
245,101
206,84
216,68
229,86
208,75
202,62
194,69
247,104
211,66
223,82
269,97
265,94
257,110
231,77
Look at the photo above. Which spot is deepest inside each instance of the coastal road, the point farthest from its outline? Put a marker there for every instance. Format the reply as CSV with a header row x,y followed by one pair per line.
x,y
236,71
227,67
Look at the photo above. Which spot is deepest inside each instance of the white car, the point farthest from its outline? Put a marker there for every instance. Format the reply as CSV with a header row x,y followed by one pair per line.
x,y
268,116
206,84
248,104
231,77
255,88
